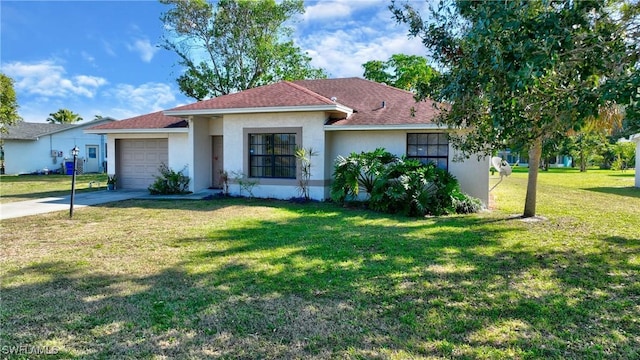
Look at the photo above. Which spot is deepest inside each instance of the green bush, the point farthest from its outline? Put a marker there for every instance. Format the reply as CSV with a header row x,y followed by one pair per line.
x,y
170,182
465,204
356,171
400,185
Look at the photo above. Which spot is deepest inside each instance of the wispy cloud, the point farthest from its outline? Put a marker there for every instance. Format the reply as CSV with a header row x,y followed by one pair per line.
x,y
49,79
144,48
88,58
136,100
360,31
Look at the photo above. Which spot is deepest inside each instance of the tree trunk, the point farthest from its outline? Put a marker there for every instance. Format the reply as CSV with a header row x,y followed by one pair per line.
x,y
535,153
583,162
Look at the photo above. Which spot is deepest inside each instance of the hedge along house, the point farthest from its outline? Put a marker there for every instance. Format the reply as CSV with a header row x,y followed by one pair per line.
x,y
255,133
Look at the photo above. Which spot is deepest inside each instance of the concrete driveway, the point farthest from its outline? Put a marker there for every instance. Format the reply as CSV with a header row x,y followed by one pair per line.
x,y
50,204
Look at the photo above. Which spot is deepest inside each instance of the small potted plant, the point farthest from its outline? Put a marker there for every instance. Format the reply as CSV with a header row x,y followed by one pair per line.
x,y
111,182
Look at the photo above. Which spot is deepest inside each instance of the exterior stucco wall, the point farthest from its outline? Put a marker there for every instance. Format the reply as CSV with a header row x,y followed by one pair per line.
x,y
235,151
473,175
200,163
179,152
26,156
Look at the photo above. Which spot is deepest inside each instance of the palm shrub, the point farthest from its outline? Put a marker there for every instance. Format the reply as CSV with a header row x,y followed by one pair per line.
x,y
400,185
415,189
170,182
358,170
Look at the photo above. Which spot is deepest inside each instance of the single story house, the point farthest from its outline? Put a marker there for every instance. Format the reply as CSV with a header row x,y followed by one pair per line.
x,y
29,147
636,139
255,133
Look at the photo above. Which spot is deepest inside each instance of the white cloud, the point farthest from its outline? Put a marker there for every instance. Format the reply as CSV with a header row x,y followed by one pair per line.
x,y
329,10
341,47
144,48
342,53
49,79
137,100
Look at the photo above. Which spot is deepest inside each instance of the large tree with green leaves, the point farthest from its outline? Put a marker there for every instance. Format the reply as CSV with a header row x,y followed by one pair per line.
x,y
234,45
400,70
8,103
63,116
517,72
624,86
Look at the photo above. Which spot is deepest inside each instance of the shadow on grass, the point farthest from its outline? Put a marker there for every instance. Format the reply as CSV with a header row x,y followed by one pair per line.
x,y
628,191
330,282
623,175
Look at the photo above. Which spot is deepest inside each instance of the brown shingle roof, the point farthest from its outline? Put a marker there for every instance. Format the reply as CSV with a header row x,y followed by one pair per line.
x,y
280,94
363,96
156,120
366,98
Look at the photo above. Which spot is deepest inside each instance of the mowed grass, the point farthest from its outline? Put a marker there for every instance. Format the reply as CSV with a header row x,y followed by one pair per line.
x,y
29,187
257,279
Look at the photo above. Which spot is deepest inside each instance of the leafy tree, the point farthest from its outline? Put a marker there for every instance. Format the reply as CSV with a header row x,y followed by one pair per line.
x,y
63,116
8,103
624,86
517,71
591,138
237,45
401,71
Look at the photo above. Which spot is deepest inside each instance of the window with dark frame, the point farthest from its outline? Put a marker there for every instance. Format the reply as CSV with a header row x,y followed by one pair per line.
x,y
272,155
429,148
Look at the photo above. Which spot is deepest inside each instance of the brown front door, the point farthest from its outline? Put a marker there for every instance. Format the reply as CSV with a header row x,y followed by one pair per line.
x,y
217,166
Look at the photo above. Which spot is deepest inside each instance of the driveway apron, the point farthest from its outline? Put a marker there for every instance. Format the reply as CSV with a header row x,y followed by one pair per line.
x,y
50,204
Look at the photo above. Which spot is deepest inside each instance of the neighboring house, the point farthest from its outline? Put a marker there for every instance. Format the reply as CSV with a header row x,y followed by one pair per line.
x,y
522,159
255,132
29,147
636,138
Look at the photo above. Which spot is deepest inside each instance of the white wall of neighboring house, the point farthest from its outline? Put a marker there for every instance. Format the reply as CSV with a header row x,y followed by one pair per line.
x,y
636,138
472,174
28,156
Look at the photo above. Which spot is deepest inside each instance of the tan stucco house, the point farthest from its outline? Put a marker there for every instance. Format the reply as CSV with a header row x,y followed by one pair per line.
x,y
255,132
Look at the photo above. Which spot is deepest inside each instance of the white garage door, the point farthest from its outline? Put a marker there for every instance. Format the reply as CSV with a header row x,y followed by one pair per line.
x,y
138,161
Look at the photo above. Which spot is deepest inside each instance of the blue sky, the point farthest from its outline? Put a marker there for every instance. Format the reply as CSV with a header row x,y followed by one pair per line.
x,y
102,58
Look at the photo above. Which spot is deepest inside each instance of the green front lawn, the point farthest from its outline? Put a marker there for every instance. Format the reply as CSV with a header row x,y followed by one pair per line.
x,y
235,278
29,187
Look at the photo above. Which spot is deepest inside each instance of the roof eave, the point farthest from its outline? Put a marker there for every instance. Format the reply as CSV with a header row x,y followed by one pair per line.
x,y
385,127
254,110
137,131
